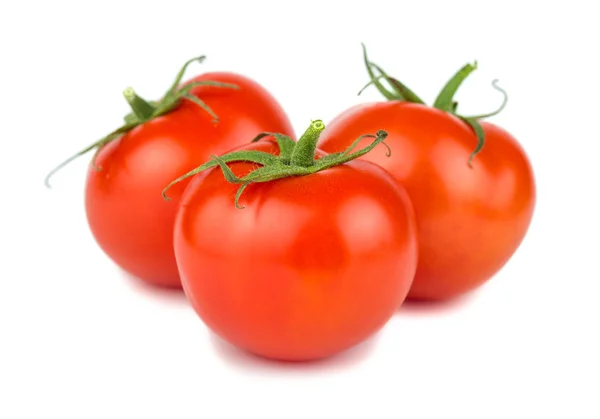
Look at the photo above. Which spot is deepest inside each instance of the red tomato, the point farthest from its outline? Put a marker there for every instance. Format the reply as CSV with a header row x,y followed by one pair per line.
x,y
126,213
470,220
311,266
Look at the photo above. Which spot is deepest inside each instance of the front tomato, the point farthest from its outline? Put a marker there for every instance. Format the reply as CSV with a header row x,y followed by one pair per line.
x,y
311,265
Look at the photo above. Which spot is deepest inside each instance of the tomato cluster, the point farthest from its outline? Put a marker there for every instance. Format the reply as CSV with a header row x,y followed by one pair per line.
x,y
299,249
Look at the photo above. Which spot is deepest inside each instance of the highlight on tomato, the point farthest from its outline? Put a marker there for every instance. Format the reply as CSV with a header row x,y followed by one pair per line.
x,y
471,183
211,113
291,253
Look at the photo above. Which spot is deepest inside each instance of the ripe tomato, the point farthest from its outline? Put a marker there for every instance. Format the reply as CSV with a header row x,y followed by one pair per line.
x,y
310,266
126,214
470,220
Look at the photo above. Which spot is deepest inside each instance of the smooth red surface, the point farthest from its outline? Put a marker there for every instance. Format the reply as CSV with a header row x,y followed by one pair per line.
x,y
126,212
470,221
312,266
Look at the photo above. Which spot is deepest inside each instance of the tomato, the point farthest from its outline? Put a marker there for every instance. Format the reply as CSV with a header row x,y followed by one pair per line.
x,y
310,266
470,219
126,214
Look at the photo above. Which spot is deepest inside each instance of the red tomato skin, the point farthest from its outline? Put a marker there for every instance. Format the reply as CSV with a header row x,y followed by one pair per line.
x,y
310,267
470,220
126,212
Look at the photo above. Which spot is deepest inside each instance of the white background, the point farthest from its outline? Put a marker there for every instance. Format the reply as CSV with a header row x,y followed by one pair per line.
x,y
79,339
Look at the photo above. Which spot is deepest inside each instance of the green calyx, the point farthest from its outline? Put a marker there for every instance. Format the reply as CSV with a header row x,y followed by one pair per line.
x,y
295,159
444,101
143,111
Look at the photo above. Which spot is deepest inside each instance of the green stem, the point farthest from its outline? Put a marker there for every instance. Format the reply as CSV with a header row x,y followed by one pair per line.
x,y
375,80
302,162
142,109
304,152
402,91
500,108
444,101
480,133
173,89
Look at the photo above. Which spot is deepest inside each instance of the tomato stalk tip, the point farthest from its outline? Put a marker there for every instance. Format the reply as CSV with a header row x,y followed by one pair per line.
x,y
140,108
304,151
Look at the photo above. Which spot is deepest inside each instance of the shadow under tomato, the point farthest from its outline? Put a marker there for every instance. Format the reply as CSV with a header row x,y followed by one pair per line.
x,y
250,363
432,307
169,296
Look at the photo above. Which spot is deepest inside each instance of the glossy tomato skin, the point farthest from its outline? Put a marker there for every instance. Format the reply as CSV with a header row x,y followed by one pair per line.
x,y
311,266
126,212
470,220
